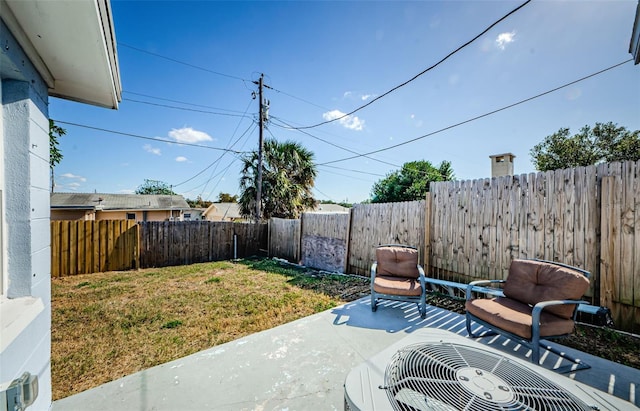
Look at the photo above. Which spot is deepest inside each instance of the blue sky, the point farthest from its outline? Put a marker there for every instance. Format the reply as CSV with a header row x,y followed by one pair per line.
x,y
323,58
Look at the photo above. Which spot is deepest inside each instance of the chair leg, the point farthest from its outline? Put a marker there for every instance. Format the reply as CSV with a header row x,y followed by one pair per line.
x,y
374,302
535,346
469,327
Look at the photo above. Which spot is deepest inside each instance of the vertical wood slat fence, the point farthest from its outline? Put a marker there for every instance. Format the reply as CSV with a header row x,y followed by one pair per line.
x,y
84,247
620,245
388,223
284,239
167,243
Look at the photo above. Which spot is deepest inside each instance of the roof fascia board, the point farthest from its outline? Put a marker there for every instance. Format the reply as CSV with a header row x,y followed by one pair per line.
x,y
109,38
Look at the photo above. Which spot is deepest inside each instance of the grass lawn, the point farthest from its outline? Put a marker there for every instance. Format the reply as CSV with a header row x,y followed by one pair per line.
x,y
108,325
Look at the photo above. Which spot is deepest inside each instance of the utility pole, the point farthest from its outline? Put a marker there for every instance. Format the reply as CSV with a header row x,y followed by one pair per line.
x,y
260,145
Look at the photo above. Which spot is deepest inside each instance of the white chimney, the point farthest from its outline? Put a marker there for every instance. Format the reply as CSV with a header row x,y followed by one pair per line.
x,y
502,164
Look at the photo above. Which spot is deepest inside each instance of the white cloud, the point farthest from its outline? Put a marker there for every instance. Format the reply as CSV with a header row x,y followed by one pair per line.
x,y
181,159
150,149
365,97
189,135
73,176
505,38
347,94
350,122
126,191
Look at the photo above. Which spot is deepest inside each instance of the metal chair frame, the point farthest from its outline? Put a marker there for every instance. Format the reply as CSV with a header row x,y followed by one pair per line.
x,y
535,343
421,300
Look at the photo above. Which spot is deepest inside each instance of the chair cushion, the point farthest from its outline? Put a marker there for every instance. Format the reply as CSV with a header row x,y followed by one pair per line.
x,y
515,317
397,262
531,282
384,284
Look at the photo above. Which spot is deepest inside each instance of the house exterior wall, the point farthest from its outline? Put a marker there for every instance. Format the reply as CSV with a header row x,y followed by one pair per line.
x,y
151,215
25,303
85,215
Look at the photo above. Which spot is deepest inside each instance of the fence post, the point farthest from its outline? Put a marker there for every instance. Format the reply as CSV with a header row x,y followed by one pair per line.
x,y
427,233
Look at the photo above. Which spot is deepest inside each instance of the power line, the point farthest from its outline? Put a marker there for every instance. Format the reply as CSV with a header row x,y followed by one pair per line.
x,y
297,98
330,143
422,72
480,116
354,171
180,62
183,108
182,102
146,138
215,161
223,154
347,176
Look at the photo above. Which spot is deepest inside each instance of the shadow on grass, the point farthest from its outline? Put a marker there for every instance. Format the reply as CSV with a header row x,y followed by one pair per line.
x,y
344,287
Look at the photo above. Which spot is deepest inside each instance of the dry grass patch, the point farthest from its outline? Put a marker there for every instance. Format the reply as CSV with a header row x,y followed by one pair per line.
x,y
108,325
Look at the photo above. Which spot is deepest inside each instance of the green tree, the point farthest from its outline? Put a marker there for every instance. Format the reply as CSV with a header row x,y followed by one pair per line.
x,y
198,202
155,187
411,182
288,175
227,198
55,155
605,142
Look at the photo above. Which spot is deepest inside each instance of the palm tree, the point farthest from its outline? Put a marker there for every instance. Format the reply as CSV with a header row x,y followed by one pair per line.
x,y
288,175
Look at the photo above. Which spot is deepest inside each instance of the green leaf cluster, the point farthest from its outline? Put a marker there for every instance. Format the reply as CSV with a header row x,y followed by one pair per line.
x,y
288,175
605,142
411,182
155,187
55,155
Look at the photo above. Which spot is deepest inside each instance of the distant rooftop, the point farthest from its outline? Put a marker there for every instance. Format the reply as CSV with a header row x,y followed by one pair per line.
x,y
118,201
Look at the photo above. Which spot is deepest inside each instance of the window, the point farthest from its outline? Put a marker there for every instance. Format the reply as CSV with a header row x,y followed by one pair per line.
x,y
131,216
187,216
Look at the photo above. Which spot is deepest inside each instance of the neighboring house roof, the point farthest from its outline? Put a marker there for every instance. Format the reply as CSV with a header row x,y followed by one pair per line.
x,y
330,208
72,45
224,210
118,201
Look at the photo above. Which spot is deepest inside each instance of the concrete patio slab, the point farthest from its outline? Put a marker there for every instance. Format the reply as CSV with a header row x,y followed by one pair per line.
x,y
302,365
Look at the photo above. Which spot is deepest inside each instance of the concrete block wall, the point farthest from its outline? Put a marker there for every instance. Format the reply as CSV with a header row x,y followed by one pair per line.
x,y
25,302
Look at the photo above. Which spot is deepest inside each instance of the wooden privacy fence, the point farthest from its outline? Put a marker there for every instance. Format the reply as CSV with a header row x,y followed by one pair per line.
x,y
346,242
83,247
166,243
388,223
284,239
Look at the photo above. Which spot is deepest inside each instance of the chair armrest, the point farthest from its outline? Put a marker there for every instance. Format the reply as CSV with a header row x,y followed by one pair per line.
x,y
422,278
475,284
537,309
374,268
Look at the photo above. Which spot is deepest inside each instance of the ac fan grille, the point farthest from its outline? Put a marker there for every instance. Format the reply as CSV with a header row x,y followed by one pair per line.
x,y
449,377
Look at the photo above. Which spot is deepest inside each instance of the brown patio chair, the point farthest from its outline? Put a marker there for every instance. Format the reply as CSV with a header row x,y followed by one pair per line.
x,y
396,275
539,299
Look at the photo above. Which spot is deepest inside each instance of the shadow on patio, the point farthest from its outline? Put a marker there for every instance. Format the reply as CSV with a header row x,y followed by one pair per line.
x,y
303,365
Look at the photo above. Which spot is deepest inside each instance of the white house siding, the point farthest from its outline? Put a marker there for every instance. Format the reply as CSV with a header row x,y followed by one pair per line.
x,y
25,303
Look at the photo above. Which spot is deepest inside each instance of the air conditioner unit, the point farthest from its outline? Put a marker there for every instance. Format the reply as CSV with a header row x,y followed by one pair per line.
x,y
438,370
